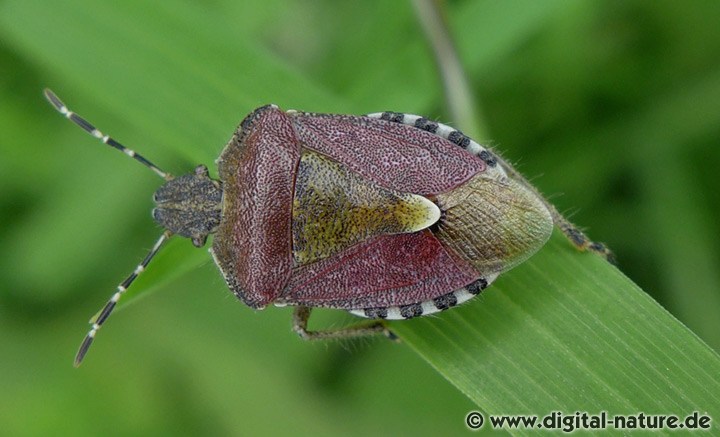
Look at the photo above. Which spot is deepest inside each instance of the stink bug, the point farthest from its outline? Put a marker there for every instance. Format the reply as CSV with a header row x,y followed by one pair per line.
x,y
388,216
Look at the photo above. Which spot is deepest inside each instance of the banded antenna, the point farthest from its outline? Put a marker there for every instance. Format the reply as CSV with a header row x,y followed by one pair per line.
x,y
89,128
97,322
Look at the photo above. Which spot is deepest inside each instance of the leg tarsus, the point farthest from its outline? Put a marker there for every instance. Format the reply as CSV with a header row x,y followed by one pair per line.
x,y
300,323
578,238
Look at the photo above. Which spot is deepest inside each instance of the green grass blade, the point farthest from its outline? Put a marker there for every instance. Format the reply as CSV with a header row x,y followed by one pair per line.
x,y
569,332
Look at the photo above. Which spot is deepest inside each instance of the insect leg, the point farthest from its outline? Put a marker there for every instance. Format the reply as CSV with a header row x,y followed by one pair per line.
x,y
300,323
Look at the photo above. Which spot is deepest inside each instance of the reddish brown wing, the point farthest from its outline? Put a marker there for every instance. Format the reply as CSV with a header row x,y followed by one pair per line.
x,y
390,270
393,155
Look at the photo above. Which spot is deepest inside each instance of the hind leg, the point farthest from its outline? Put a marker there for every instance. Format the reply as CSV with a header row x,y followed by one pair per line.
x,y
575,235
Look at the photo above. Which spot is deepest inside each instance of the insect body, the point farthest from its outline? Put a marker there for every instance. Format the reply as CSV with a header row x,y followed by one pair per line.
x,y
388,216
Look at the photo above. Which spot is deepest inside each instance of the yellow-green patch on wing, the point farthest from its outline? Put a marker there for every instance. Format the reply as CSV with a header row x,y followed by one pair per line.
x,y
334,208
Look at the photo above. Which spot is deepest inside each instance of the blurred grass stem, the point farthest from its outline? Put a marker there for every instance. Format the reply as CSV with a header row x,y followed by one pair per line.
x,y
461,105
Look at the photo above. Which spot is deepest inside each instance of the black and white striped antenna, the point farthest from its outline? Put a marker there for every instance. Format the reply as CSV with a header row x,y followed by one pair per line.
x,y
97,322
92,130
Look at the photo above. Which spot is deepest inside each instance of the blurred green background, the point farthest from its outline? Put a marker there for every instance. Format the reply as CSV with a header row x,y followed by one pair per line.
x,y
611,108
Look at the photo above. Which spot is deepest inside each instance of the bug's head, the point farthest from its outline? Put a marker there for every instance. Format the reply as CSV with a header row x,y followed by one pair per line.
x,y
189,205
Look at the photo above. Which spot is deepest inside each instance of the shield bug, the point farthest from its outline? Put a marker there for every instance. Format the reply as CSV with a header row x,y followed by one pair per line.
x,y
388,216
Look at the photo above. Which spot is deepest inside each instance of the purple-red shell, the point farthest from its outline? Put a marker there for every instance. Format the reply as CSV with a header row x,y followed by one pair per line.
x,y
253,245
